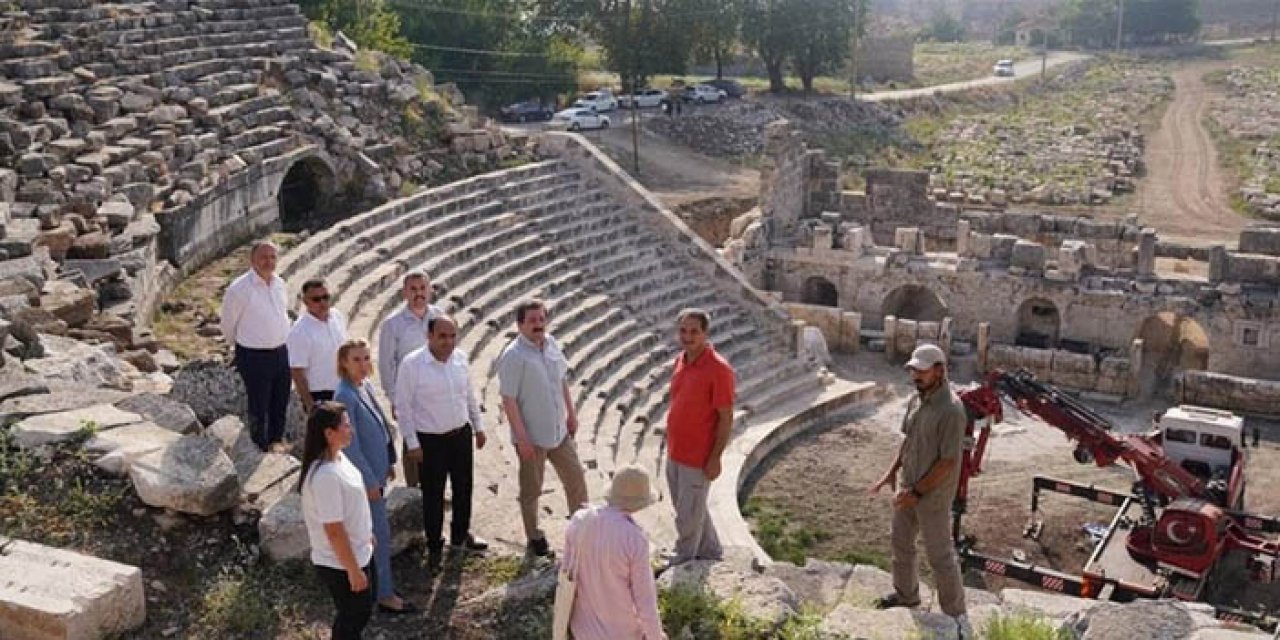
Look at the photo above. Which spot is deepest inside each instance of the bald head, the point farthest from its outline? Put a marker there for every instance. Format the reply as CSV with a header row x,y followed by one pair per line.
x,y
262,257
442,337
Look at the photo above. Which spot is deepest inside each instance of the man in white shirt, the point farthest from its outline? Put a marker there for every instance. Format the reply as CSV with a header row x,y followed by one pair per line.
x,y
255,322
313,346
438,413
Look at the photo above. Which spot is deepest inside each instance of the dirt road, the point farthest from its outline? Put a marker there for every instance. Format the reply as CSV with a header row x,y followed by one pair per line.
x,y
1022,69
1183,195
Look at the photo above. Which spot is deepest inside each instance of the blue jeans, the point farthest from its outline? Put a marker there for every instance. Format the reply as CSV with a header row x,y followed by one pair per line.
x,y
382,548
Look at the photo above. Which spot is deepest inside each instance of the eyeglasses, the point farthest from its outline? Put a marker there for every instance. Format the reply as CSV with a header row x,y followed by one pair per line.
x,y
323,298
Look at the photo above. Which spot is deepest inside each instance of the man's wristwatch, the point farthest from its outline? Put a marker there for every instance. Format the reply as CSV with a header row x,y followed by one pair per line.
x,y
916,492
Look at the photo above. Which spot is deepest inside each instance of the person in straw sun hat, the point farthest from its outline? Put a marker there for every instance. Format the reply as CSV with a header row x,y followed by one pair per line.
x,y
616,598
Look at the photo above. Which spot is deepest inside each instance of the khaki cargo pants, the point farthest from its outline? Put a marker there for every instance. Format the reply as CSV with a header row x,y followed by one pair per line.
x,y
564,459
930,519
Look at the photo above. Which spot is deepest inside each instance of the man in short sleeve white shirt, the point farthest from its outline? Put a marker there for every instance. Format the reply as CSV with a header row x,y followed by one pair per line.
x,y
255,323
313,346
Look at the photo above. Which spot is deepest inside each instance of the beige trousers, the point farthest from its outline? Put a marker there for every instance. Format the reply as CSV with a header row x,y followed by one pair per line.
x,y
933,523
564,459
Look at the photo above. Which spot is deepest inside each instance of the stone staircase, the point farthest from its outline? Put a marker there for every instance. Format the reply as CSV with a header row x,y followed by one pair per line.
x,y
612,283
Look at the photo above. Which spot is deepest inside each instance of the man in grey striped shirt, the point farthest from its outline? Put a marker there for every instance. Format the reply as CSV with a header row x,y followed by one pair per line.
x,y
402,333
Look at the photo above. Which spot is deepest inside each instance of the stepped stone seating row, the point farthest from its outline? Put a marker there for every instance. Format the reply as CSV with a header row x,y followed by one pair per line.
x,y
612,285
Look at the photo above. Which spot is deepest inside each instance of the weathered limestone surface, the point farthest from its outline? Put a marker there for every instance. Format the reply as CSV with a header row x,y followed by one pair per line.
x,y
52,428
55,594
192,475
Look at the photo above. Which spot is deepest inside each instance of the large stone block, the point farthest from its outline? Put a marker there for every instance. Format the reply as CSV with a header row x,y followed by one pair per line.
x,y
191,475
118,448
163,411
283,534
75,363
17,408
1264,240
1028,255
52,428
818,583
765,597
55,594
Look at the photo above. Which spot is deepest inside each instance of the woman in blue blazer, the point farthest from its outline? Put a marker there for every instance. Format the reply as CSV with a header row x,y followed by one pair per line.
x,y
372,452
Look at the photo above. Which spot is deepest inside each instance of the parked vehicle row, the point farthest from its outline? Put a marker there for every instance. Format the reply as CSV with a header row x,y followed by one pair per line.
x,y
579,119
603,101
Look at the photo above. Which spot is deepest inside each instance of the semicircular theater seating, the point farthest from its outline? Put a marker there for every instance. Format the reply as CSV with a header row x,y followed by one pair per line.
x,y
613,285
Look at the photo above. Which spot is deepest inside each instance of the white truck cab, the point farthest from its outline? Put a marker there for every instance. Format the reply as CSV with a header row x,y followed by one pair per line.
x,y
1203,441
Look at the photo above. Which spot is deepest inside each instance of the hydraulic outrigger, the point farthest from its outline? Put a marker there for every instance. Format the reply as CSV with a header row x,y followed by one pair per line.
x,y
1182,516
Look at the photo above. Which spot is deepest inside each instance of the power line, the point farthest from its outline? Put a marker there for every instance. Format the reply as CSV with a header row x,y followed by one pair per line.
x,y
490,52
408,4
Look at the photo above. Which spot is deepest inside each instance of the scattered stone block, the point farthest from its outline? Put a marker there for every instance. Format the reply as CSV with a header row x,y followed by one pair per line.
x,y
55,594
163,411
118,448
43,402
766,597
192,475
52,428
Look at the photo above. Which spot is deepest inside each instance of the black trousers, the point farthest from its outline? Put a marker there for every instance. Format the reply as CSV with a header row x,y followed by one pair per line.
x,y
446,457
266,383
354,609
321,396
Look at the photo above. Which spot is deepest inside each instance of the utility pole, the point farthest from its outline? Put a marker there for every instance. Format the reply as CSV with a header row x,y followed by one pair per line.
x,y
1120,27
630,78
853,52
1275,17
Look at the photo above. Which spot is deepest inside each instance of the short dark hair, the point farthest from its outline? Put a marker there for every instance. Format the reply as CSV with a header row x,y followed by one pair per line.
x,y
431,323
314,283
526,306
697,313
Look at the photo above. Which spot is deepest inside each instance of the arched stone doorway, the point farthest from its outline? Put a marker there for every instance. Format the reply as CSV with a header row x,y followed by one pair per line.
x,y
306,194
914,302
1170,343
1038,324
818,290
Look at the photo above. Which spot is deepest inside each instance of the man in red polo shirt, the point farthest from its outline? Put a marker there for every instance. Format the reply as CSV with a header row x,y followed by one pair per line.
x,y
698,426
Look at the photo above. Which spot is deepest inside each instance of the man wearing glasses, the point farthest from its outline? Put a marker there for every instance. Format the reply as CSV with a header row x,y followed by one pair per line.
x,y
313,346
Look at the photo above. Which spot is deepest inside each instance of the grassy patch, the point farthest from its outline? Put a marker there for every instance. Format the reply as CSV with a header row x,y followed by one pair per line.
x,y
873,558
1022,627
777,535
55,497
257,601
705,616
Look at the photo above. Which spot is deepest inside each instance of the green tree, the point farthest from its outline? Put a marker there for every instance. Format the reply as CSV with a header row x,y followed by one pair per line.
x,y
824,47
1092,23
372,24
715,26
495,51
639,37
768,30
1007,32
944,27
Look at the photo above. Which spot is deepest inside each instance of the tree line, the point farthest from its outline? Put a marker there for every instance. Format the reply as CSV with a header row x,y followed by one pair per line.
x,y
498,51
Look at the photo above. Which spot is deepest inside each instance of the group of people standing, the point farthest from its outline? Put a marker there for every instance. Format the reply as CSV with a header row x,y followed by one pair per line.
x,y
350,453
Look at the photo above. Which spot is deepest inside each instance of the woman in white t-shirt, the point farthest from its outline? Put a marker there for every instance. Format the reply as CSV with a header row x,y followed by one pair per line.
x,y
336,511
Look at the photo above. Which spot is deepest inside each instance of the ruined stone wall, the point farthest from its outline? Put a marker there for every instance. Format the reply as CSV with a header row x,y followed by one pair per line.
x,y
898,198
1111,374
887,58
1239,394
1114,241
842,329
783,179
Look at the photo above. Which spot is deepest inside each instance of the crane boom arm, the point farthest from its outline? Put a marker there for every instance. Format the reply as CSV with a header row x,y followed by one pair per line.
x,y
1093,432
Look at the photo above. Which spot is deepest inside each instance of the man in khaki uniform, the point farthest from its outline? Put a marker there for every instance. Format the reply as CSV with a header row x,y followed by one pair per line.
x,y
928,467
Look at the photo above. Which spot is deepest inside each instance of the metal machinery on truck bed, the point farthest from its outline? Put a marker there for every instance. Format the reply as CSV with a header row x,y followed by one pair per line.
x,y
1181,518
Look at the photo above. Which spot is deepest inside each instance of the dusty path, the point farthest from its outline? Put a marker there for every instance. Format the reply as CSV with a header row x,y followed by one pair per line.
x,y
1022,69
1183,195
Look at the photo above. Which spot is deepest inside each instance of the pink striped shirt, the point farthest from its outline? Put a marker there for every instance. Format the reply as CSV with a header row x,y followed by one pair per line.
x,y
616,596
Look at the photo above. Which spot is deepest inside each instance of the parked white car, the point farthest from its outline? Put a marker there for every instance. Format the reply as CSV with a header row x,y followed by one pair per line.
x,y
644,98
1004,69
703,93
601,101
579,119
